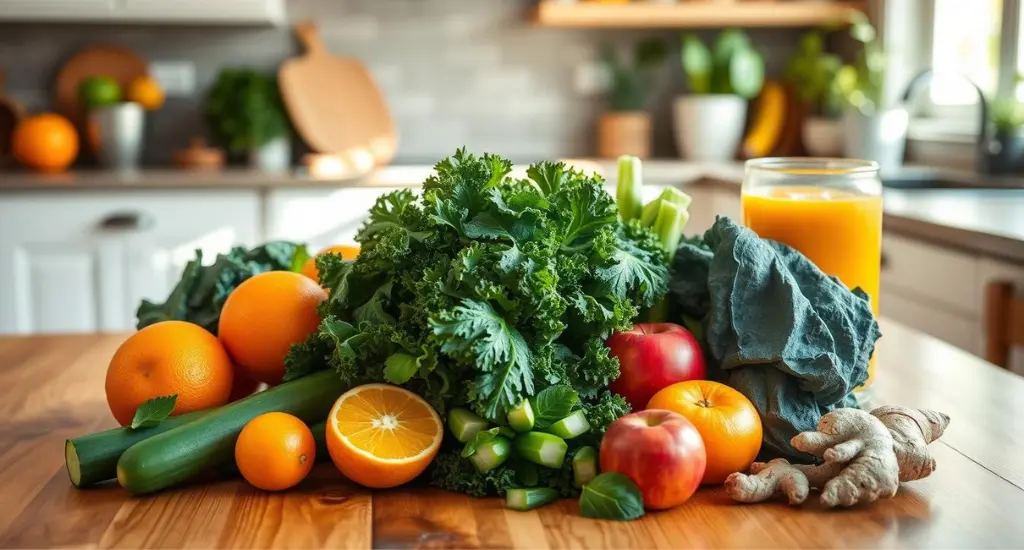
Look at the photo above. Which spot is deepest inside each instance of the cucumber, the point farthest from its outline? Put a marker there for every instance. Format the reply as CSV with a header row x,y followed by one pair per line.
x,y
464,424
584,466
521,417
571,426
528,499
541,448
92,459
185,451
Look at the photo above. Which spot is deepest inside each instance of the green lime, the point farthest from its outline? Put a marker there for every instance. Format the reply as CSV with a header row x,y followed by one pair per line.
x,y
99,91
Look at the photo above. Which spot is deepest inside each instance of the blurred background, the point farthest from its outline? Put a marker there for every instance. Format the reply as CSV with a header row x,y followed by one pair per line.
x,y
135,132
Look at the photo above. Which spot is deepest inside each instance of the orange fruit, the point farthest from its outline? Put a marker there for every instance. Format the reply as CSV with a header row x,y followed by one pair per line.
x,y
727,421
382,436
275,451
146,91
348,252
264,317
47,143
168,358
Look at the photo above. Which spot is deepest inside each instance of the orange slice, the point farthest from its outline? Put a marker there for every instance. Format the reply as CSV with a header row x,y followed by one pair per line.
x,y
382,436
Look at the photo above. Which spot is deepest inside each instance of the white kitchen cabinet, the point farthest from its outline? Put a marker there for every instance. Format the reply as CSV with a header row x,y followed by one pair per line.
x,y
320,217
221,12
990,270
82,261
709,202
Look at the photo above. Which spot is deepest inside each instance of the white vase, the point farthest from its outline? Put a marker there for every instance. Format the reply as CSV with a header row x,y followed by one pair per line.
x,y
274,156
881,137
823,137
709,128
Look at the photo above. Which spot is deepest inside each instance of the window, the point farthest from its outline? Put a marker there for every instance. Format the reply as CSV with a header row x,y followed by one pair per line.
x,y
965,41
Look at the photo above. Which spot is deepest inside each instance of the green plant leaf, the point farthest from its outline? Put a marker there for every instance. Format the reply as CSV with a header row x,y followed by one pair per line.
x,y
553,404
154,411
299,258
611,495
400,367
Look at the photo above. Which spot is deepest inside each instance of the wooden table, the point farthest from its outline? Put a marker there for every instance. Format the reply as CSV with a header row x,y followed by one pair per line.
x,y
51,388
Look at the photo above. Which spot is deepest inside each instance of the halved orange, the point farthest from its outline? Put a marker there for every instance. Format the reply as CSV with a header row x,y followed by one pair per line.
x,y
382,436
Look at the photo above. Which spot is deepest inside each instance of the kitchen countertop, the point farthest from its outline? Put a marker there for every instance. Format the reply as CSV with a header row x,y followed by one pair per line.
x,y
984,221
53,389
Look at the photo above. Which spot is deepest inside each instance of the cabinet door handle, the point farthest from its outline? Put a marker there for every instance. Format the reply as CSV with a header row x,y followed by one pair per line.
x,y
124,222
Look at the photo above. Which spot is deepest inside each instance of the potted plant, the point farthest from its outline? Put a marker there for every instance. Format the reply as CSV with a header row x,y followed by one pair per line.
x,y
709,120
625,129
246,115
1006,147
811,72
871,130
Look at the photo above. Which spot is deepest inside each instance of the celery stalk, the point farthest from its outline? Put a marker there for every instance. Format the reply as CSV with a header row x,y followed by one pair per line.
x,y
669,194
629,191
491,454
464,424
669,226
521,417
528,499
541,448
584,466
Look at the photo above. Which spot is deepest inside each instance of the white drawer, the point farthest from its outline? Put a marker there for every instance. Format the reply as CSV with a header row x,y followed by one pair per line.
x,y
937,276
320,217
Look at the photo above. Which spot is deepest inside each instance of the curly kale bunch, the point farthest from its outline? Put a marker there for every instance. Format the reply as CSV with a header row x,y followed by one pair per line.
x,y
485,291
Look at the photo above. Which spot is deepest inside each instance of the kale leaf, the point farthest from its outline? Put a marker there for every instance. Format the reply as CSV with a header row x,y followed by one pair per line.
x,y
485,290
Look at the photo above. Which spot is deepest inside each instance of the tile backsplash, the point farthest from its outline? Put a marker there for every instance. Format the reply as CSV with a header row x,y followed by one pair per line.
x,y
455,72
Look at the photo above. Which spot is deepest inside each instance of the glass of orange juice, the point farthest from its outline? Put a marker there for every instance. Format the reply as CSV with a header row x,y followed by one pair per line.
x,y
828,209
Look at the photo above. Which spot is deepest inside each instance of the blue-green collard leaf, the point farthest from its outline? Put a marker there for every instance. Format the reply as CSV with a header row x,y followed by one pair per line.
x,y
154,411
400,367
480,334
611,495
553,404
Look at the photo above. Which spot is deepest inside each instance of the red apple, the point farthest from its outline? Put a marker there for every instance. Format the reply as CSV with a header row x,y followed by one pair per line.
x,y
661,451
652,357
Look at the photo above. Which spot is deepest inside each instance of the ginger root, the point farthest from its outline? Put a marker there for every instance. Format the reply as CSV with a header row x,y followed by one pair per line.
x,y
865,456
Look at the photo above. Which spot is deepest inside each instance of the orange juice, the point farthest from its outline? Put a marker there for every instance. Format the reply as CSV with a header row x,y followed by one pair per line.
x,y
840,231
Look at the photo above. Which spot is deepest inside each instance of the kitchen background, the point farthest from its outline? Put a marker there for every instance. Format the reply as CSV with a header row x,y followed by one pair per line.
x,y
454,72
527,80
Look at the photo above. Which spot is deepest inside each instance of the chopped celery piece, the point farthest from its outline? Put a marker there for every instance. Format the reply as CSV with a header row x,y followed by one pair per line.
x,y
584,466
464,424
669,194
669,226
528,499
542,448
521,418
570,426
491,454
629,191
506,431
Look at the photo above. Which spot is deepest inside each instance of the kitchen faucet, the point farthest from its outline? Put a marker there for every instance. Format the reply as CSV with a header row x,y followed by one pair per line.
x,y
981,153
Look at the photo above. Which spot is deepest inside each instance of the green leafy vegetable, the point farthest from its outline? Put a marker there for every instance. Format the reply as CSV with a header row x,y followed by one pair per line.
x,y
553,404
611,496
154,411
202,290
485,291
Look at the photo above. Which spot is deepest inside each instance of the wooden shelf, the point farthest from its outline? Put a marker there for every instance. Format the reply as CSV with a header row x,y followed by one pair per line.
x,y
694,14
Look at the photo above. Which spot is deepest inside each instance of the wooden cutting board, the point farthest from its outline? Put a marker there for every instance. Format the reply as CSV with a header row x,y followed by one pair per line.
x,y
119,63
335,104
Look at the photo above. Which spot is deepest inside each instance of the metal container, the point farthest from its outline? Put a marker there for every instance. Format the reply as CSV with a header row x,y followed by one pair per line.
x,y
119,130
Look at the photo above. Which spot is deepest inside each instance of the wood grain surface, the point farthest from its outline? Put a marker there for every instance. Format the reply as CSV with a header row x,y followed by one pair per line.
x,y
51,388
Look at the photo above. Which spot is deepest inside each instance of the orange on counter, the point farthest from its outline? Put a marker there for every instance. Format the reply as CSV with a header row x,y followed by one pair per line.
x,y
348,252
168,358
264,317
146,91
382,436
725,418
47,143
275,451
